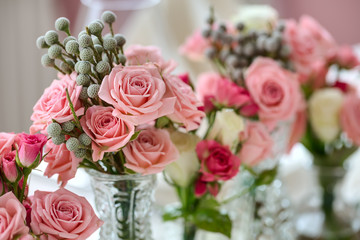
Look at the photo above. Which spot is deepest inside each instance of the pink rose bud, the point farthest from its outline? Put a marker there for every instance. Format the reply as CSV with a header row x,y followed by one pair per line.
x,y
344,87
185,78
9,167
30,149
200,187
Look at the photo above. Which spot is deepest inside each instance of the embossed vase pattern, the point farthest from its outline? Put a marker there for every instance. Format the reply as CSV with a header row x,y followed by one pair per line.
x,y
124,204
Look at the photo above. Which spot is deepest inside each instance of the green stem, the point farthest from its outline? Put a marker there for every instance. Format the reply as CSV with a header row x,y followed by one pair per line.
x,y
22,190
189,231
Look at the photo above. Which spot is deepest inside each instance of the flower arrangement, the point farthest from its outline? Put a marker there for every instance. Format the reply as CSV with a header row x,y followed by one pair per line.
x,y
111,111
46,215
253,90
107,109
326,121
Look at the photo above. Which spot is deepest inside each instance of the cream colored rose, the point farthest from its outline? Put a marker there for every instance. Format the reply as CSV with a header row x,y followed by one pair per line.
x,y
183,170
258,17
324,109
227,127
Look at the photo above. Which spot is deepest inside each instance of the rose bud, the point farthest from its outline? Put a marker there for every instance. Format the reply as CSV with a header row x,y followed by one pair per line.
x,y
30,149
9,168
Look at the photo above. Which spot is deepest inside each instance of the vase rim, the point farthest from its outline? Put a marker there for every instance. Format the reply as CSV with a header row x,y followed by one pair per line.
x,y
106,176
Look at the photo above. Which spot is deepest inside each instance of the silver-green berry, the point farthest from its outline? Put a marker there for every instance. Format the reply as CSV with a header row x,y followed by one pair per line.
x,y
83,94
85,41
285,51
83,67
95,40
53,129
51,37
83,32
108,17
67,39
85,139
58,140
93,90
83,80
40,42
249,49
71,63
72,144
68,126
99,49
95,28
72,47
46,61
122,59
80,153
110,43
100,22
62,24
55,51
65,67
87,54
120,39
102,67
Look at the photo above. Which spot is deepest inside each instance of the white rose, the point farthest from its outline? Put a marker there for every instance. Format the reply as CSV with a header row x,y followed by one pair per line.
x,y
258,17
324,108
227,127
184,169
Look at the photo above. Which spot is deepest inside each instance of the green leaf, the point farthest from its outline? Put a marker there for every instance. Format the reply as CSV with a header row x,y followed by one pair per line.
x,y
162,122
209,202
76,119
172,213
266,177
213,221
135,135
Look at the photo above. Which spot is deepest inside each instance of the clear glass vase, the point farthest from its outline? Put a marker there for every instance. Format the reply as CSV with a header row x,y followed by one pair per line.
x,y
339,218
124,203
262,213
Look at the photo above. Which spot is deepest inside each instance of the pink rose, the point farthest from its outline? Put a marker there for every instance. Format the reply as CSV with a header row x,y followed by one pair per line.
x,y
257,144
140,55
150,152
30,149
274,89
136,93
185,78
212,87
346,57
63,215
12,217
186,106
109,133
207,84
53,103
201,187
309,42
217,161
317,77
349,117
27,237
9,168
60,161
195,46
6,142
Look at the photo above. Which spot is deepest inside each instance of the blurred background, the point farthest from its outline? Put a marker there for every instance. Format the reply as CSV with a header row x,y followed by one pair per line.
x,y
165,23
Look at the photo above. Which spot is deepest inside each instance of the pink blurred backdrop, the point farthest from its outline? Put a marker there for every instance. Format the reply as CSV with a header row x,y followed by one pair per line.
x,y
340,17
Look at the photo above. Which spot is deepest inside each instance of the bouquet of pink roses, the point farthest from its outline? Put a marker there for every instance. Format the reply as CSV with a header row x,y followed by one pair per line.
x,y
253,91
110,111
327,122
46,215
106,110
